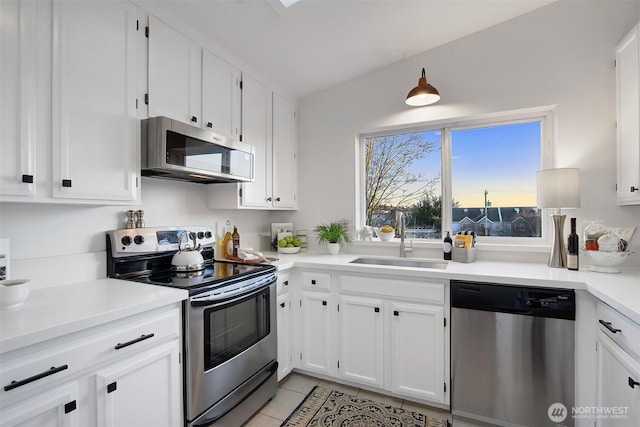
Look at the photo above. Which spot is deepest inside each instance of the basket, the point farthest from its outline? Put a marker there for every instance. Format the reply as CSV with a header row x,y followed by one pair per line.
x,y
605,262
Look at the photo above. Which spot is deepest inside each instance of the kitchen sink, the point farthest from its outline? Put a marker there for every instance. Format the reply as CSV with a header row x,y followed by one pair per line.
x,y
402,262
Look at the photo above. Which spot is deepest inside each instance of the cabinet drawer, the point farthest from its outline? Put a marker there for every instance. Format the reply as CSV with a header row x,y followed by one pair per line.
x,y
28,369
282,285
316,280
622,330
423,290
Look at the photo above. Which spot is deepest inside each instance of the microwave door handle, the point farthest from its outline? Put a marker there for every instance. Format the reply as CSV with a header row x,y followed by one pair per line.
x,y
216,301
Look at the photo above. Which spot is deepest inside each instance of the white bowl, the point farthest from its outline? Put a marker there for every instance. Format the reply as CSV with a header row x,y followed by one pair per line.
x,y
605,262
385,237
293,250
13,293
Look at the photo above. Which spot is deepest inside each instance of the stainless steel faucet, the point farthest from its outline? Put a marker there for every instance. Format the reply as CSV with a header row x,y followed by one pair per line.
x,y
402,230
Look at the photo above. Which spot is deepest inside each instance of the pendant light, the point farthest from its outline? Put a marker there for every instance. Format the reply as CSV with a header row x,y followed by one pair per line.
x,y
423,94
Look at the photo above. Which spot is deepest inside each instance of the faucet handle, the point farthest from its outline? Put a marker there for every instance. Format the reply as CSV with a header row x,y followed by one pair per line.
x,y
410,247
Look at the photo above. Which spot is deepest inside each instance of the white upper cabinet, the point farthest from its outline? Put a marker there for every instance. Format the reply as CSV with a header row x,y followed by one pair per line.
x,y
18,98
256,130
269,124
628,115
175,74
190,84
68,125
95,129
285,165
221,96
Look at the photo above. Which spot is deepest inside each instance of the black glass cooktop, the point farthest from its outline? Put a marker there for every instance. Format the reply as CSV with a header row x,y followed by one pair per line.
x,y
212,275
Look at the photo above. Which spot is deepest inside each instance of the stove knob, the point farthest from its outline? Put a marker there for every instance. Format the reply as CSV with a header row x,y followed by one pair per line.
x,y
126,240
139,240
208,234
200,235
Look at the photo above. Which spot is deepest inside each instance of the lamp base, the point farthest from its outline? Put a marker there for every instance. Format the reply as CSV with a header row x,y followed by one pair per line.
x,y
558,257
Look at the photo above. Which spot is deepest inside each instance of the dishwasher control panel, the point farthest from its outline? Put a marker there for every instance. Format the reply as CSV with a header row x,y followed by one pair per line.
x,y
524,300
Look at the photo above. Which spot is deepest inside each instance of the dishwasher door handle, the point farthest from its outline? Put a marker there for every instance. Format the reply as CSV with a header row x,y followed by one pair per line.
x,y
510,310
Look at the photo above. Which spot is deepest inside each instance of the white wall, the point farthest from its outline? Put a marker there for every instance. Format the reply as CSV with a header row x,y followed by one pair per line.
x,y
54,244
562,54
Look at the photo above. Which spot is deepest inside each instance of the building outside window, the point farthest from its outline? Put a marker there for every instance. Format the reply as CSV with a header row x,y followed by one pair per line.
x,y
472,175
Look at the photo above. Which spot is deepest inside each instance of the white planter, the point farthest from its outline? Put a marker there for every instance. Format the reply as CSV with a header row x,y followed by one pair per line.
x,y
333,248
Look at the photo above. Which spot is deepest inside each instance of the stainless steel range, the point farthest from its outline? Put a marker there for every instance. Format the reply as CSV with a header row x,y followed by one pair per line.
x,y
229,320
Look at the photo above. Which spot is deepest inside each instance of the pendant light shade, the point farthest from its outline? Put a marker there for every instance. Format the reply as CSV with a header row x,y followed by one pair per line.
x,y
423,94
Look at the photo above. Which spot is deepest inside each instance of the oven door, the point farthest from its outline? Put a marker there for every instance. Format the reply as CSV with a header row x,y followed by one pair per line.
x,y
231,335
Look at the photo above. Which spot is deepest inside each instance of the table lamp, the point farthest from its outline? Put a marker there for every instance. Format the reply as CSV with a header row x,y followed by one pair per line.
x,y
558,189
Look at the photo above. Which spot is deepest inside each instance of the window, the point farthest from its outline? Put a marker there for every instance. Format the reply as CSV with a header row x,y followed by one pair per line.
x,y
470,175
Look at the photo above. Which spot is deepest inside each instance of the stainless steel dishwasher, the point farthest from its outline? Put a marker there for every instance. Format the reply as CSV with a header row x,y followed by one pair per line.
x,y
512,354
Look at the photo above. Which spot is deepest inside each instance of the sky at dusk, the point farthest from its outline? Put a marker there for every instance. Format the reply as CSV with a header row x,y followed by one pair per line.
x,y
502,160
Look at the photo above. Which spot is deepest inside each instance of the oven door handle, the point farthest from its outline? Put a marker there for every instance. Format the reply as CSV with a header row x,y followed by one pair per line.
x,y
216,301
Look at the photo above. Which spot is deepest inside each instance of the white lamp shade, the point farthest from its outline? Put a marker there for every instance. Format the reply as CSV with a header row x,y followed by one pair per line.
x,y
558,188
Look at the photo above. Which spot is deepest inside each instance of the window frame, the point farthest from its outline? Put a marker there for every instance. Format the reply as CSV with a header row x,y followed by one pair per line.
x,y
545,115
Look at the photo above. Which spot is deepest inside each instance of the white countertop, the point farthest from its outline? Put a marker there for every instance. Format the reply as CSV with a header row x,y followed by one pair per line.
x,y
620,291
57,311
52,312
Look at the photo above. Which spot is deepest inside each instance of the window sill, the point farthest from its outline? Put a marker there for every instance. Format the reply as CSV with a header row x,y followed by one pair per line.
x,y
480,247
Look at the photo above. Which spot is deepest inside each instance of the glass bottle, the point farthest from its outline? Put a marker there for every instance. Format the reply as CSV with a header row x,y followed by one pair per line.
x,y
228,242
448,246
236,241
572,248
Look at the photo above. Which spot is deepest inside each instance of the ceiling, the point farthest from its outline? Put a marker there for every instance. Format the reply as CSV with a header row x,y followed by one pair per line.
x,y
315,44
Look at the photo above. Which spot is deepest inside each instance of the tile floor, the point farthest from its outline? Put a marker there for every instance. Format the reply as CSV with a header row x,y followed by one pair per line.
x,y
295,387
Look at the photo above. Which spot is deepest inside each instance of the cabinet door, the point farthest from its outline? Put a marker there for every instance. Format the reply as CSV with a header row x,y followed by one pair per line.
x,y
256,130
628,125
315,337
18,98
175,74
221,96
618,384
284,335
361,339
143,390
285,166
52,408
417,350
95,130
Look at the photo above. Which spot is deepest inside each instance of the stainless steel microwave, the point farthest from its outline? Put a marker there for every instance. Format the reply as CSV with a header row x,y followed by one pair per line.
x,y
178,151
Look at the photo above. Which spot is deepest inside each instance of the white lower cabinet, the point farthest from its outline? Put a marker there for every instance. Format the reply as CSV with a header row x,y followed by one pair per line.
x,y
361,339
129,393
284,335
50,408
316,336
618,372
284,325
121,374
388,333
619,384
417,351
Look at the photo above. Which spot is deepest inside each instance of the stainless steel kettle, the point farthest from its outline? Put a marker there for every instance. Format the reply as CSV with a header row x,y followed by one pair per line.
x,y
187,258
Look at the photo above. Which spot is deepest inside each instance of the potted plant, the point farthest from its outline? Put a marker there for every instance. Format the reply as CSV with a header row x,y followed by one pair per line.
x,y
333,234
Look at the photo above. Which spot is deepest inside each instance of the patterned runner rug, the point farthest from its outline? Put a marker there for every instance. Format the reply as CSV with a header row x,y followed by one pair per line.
x,y
331,408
